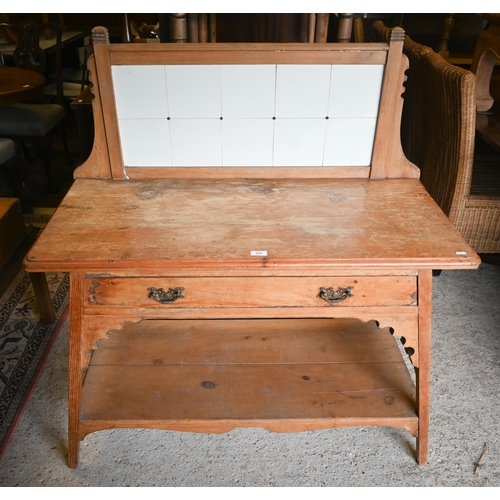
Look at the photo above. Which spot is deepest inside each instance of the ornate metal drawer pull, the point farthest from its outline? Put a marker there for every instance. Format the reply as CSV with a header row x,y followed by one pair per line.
x,y
166,297
333,296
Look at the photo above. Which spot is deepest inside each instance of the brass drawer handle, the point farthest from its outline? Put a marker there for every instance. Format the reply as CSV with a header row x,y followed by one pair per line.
x,y
166,297
333,296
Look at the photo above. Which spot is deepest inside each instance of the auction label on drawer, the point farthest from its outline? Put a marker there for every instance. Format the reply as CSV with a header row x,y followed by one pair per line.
x,y
258,253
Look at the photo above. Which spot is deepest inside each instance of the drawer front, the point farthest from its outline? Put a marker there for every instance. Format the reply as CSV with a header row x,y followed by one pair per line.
x,y
164,292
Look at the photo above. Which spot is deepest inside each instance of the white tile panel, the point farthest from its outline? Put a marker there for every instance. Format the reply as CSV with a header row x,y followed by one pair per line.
x,y
355,90
196,143
302,90
140,91
248,91
194,91
299,142
195,97
247,142
349,141
145,143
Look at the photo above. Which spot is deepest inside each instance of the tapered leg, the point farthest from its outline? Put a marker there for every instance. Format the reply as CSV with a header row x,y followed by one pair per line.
x,y
42,294
75,368
424,361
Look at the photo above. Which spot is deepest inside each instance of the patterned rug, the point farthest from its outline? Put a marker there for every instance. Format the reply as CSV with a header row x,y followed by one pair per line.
x,y
25,342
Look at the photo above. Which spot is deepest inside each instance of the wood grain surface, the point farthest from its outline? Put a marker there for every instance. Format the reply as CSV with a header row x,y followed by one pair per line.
x,y
215,373
198,223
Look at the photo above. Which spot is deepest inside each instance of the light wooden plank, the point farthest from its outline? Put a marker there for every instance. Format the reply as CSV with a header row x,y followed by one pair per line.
x,y
409,423
248,172
251,392
403,321
249,53
199,223
224,371
253,341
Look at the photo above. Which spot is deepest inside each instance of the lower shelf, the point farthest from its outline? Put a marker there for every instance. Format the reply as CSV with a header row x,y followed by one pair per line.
x,y
215,375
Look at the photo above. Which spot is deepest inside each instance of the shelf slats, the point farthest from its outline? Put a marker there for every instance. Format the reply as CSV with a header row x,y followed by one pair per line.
x,y
159,372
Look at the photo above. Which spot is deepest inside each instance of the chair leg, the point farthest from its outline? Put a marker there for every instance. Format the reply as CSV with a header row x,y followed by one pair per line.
x,y
53,186
15,175
25,154
14,171
64,137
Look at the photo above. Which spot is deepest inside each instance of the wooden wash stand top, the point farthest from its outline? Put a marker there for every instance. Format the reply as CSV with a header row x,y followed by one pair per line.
x,y
246,242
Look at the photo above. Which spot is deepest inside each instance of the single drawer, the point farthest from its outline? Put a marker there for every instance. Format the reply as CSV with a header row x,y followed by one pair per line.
x,y
168,292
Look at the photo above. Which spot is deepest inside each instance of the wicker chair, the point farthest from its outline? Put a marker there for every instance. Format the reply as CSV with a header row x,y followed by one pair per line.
x,y
438,135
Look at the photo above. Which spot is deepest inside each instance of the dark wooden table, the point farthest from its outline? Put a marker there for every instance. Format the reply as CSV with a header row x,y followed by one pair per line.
x,y
47,45
19,85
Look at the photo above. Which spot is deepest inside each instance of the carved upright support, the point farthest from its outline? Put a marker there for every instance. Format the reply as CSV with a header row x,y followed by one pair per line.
x,y
389,160
98,164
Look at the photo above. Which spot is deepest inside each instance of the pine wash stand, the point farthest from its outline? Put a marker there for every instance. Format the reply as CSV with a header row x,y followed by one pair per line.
x,y
246,241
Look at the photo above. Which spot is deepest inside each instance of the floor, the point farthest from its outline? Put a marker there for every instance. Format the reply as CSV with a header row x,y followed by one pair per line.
x,y
464,429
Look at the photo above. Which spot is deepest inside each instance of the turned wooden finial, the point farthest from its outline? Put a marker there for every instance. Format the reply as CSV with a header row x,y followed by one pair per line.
x,y
397,34
100,34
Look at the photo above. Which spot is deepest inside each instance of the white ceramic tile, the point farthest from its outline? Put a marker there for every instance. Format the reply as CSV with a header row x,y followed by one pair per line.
x,y
302,90
248,91
247,142
140,91
145,143
194,91
196,143
355,90
299,142
349,141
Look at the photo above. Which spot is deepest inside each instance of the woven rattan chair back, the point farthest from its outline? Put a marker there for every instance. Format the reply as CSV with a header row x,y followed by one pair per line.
x,y
438,135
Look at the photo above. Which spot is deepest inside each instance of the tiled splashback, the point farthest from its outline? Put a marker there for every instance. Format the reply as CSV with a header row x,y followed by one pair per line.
x,y
247,115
